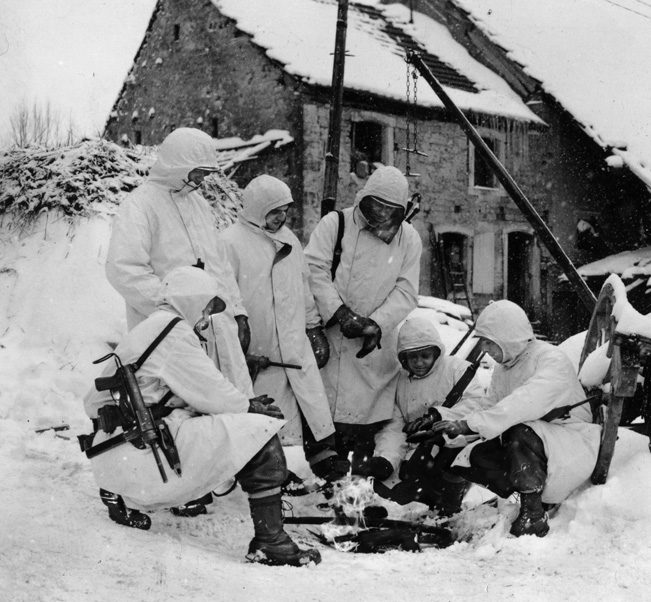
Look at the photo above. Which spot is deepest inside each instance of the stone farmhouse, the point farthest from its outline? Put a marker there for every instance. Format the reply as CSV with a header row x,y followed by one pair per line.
x,y
239,68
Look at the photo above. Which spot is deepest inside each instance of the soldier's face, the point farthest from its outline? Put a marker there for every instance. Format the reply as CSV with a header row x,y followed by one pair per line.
x,y
420,361
493,349
275,219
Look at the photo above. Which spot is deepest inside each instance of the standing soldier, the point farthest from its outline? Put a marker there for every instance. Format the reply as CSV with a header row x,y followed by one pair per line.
x,y
373,288
271,272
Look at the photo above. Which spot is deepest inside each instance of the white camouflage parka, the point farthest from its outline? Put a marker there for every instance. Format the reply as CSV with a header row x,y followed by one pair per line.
x,y
272,275
376,280
165,224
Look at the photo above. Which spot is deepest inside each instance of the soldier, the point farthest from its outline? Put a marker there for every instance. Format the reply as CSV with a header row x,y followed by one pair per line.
x,y
217,431
371,291
523,445
271,272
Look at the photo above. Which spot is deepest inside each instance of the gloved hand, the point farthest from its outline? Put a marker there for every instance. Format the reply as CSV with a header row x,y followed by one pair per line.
x,y
320,345
451,428
424,423
263,404
351,323
255,363
378,467
243,332
372,334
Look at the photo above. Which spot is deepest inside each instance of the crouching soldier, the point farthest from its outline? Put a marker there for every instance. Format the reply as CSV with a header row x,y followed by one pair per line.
x,y
526,445
204,429
428,379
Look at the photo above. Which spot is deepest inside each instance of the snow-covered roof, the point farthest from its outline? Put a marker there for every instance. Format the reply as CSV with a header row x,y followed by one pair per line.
x,y
233,151
626,264
300,35
592,56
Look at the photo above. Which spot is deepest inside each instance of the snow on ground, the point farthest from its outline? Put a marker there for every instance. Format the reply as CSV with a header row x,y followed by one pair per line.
x,y
57,543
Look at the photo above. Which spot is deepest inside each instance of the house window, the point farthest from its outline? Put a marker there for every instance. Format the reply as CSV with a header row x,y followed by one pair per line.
x,y
480,172
366,147
177,32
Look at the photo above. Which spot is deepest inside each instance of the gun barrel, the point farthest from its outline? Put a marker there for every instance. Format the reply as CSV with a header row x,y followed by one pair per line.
x,y
159,463
283,365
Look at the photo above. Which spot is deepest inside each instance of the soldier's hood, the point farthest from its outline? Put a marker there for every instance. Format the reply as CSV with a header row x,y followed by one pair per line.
x,y
387,183
506,324
416,333
182,151
186,290
262,195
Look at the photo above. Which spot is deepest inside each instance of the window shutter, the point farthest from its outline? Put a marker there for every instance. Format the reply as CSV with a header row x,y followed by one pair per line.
x,y
483,273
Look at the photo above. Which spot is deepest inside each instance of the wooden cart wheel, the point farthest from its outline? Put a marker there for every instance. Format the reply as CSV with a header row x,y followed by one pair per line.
x,y
601,330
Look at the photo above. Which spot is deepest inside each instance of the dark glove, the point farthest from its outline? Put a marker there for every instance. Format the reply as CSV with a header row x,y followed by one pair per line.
x,y
372,334
351,324
243,332
320,345
451,428
377,467
263,404
424,423
255,363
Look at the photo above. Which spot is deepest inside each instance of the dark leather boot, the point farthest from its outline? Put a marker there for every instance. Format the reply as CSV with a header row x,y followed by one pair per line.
x,y
271,545
452,491
119,513
532,519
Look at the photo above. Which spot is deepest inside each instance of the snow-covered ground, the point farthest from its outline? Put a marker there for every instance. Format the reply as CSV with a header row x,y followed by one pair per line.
x,y
57,314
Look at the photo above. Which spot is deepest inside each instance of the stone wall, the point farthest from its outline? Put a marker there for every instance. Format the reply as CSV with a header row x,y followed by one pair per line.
x,y
195,69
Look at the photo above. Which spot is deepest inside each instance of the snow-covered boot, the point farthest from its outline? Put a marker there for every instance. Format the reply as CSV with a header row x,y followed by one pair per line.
x,y
122,515
271,545
193,508
532,519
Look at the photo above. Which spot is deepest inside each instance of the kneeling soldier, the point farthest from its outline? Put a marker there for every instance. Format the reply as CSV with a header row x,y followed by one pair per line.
x,y
206,430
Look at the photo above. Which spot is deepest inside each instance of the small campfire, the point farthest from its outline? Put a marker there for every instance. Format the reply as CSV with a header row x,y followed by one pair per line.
x,y
361,525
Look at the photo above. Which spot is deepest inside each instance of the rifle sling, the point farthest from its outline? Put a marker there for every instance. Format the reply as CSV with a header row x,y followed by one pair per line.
x,y
141,360
460,386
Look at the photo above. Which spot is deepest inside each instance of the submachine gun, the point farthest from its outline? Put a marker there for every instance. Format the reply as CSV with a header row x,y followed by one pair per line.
x,y
142,425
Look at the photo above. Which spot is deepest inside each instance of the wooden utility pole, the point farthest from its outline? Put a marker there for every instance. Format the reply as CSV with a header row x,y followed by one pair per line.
x,y
527,209
336,103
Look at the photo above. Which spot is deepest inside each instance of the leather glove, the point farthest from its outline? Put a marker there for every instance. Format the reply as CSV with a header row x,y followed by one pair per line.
x,y
255,363
424,423
372,334
243,332
351,323
320,345
378,467
451,428
263,404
